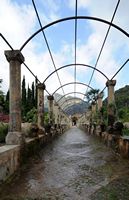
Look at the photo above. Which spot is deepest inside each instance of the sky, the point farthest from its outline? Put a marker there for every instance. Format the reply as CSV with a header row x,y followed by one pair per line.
x,y
18,22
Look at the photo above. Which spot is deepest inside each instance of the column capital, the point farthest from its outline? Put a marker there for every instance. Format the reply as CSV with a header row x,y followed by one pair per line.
x,y
14,55
111,83
50,97
100,95
41,86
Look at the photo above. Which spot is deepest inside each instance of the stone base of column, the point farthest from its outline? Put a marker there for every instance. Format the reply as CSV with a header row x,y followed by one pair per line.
x,y
41,131
15,138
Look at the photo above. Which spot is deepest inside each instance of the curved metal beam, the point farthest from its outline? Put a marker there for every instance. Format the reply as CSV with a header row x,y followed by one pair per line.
x,y
69,65
73,18
70,93
76,98
67,106
70,84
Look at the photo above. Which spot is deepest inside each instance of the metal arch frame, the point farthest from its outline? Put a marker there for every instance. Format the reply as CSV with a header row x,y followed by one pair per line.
x,y
70,93
73,18
78,64
70,84
67,106
77,98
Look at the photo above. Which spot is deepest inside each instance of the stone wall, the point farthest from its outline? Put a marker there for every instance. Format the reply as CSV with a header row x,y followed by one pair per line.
x,y
120,144
9,161
12,156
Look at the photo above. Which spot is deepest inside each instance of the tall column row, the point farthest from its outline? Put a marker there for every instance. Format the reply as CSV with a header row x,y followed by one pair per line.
x,y
15,59
111,109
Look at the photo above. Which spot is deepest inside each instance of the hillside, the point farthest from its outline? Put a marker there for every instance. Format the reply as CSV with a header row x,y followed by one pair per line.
x,y
122,103
79,108
122,97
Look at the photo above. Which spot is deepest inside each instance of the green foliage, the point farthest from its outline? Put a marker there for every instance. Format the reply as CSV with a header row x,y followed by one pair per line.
x,y
28,101
3,132
31,116
24,106
46,118
122,103
125,131
123,114
92,94
6,103
122,97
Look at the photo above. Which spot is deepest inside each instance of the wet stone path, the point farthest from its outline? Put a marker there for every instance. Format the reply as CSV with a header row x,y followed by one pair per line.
x,y
75,166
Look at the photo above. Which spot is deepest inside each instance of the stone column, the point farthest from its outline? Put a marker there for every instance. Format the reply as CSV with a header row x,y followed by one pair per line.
x,y
100,103
40,106
56,113
93,107
100,119
59,116
110,85
15,59
111,101
50,109
93,110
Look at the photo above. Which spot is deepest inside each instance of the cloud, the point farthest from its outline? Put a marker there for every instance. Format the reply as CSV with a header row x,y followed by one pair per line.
x,y
81,3
20,22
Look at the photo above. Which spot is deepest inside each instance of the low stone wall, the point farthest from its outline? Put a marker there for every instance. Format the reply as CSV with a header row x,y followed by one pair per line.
x,y
119,143
9,161
12,156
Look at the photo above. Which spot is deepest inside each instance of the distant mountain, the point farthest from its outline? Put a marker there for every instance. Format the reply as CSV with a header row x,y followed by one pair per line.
x,y
122,97
70,107
78,108
122,103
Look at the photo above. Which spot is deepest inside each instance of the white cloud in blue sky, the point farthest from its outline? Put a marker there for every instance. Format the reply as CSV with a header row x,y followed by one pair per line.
x,y
18,22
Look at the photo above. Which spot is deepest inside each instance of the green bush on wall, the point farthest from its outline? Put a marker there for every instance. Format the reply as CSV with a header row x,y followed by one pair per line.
x,y
3,132
125,131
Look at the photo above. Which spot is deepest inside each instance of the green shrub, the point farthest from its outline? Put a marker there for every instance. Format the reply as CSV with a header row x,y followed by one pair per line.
x,y
46,118
3,132
31,116
125,131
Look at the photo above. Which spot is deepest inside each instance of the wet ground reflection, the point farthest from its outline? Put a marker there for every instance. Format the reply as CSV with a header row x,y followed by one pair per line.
x,y
75,166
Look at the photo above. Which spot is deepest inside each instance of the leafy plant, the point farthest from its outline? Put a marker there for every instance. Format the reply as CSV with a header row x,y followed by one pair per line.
x,y
46,118
125,131
92,95
3,132
31,116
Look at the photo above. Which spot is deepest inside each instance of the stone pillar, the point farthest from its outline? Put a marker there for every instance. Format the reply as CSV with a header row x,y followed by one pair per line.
x,y
59,116
56,113
40,106
100,103
15,59
111,101
110,85
93,107
50,109
93,110
100,119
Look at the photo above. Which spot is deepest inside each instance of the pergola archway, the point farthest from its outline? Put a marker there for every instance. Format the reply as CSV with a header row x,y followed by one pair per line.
x,y
16,55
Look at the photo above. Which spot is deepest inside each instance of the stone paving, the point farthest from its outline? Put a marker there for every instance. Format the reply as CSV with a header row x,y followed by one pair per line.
x,y
75,166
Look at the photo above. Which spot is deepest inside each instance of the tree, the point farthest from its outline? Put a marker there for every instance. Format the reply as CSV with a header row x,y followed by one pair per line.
x,y
29,99
92,95
24,103
6,104
33,94
1,97
36,82
23,91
